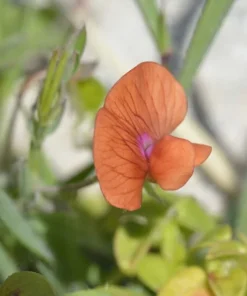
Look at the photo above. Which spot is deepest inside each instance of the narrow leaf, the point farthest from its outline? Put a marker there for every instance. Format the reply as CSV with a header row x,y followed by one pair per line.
x,y
51,277
156,22
49,95
21,229
43,103
7,263
208,25
241,214
79,47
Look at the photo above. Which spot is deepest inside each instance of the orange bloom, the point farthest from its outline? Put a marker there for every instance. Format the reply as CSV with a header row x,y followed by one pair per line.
x,y
132,141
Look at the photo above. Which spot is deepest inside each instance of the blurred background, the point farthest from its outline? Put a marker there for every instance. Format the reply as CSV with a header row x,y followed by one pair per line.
x,y
118,37
114,45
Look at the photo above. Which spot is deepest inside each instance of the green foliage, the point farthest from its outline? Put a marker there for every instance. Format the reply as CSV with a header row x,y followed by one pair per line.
x,y
26,283
189,213
107,291
79,47
189,281
8,265
208,25
239,215
21,229
56,240
156,22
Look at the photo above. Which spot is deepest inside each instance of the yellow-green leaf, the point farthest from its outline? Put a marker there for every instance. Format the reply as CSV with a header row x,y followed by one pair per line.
x,y
26,283
129,250
233,284
173,246
221,233
186,282
88,94
192,216
107,291
154,271
227,249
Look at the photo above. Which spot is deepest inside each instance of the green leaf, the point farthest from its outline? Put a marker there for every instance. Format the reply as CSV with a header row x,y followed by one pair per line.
x,y
24,181
186,283
23,33
81,175
173,246
160,197
63,231
49,94
221,267
242,238
221,233
44,100
7,80
141,230
7,263
79,47
240,217
154,271
129,249
88,95
21,229
227,249
40,167
107,291
51,277
26,283
233,284
169,197
156,22
192,216
90,293
208,25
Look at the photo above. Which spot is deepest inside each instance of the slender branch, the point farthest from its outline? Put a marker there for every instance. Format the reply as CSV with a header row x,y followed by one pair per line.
x,y
152,193
9,134
67,187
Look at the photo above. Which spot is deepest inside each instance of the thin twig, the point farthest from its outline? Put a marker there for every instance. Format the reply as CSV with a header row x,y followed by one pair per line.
x,y
67,187
152,193
9,134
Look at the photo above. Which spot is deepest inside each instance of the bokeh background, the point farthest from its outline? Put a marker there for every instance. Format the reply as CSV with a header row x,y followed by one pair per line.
x,y
116,44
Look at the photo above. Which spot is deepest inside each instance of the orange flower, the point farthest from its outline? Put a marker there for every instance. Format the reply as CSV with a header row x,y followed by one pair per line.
x,y
132,141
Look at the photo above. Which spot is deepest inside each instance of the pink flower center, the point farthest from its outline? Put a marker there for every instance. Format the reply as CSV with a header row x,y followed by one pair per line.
x,y
146,144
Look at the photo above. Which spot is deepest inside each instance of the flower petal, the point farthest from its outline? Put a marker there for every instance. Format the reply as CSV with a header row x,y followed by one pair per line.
x,y
172,162
149,100
202,153
119,165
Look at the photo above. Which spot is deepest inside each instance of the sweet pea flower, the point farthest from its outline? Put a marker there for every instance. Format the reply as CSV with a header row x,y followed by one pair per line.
x,y
132,141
